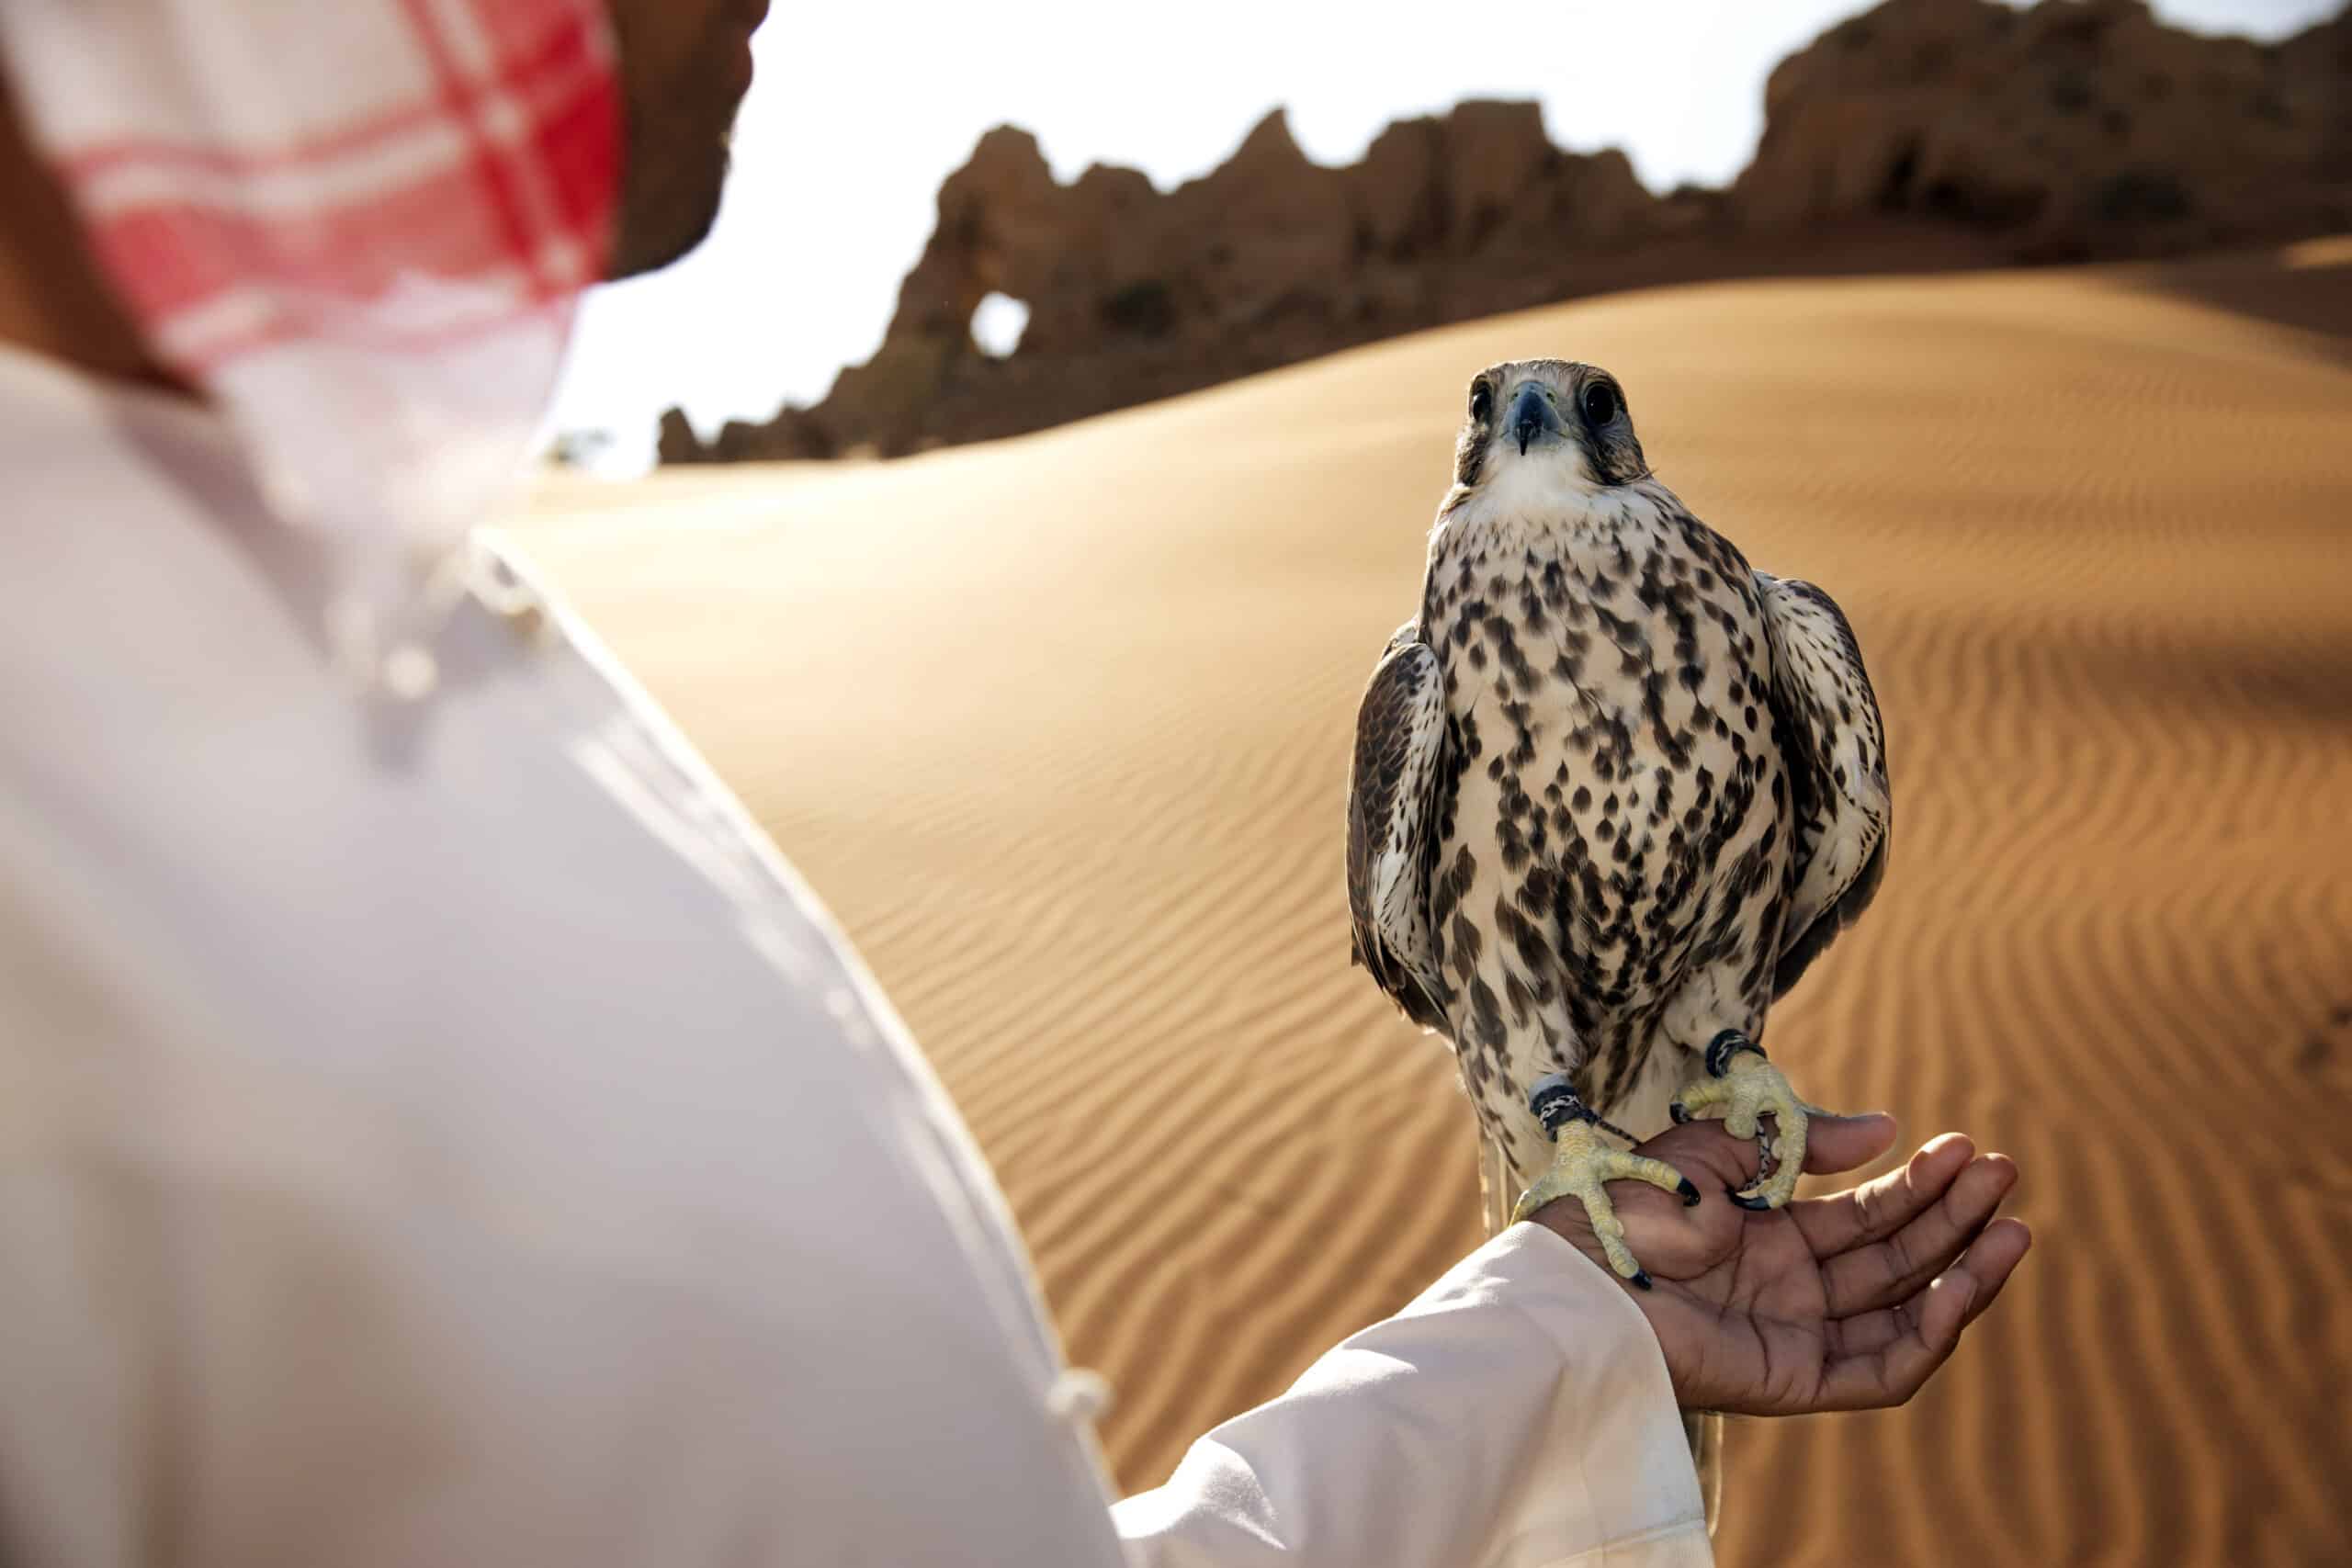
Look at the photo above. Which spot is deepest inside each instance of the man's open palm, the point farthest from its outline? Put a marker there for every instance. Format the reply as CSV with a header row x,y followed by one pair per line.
x,y
1840,1303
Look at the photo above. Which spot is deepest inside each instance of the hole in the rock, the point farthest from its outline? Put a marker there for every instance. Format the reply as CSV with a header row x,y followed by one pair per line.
x,y
997,323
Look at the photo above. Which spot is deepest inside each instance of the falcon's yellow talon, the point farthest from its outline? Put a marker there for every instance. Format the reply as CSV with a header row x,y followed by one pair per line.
x,y
1750,1090
1700,1095
1582,1165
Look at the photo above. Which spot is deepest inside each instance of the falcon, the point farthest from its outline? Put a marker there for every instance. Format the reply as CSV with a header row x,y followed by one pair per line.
x,y
1613,791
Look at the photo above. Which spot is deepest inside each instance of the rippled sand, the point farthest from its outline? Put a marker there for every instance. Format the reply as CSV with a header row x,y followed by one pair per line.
x,y
1059,728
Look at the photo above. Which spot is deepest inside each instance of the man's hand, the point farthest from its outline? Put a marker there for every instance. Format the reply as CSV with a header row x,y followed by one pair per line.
x,y
1843,1303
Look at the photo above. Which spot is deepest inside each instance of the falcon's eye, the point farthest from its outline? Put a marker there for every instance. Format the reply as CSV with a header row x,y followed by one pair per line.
x,y
1599,403
1482,400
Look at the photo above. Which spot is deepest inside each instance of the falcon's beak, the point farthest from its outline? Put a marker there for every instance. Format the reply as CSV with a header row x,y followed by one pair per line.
x,y
1532,414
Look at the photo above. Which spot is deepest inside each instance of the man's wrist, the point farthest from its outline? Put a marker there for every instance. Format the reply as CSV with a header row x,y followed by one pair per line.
x,y
1567,1218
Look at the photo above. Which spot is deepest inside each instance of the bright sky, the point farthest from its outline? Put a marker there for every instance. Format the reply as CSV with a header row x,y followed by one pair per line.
x,y
860,110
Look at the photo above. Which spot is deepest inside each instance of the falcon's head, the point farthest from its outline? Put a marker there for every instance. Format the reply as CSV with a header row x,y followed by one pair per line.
x,y
1552,423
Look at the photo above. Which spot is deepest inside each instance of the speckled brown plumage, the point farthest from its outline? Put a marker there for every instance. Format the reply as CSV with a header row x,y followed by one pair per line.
x,y
1613,789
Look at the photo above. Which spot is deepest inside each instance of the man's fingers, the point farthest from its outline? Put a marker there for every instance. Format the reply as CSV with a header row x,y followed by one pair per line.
x,y
1907,1342
2005,1239
1882,1358
1881,1273
1841,1143
1878,1208
1702,1150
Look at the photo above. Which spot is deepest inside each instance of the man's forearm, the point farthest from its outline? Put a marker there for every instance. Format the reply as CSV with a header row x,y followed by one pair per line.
x,y
1516,1415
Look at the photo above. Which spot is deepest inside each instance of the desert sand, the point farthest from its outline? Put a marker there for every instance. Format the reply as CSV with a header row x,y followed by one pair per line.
x,y
1059,728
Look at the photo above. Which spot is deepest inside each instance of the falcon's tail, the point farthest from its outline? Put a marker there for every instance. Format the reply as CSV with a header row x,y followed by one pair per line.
x,y
1703,1428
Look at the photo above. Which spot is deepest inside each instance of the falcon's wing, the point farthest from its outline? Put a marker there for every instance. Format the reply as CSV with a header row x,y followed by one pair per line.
x,y
1400,738
1828,725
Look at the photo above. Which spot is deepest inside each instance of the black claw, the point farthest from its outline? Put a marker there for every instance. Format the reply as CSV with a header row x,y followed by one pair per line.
x,y
1681,1117
1689,1194
1640,1278
1751,1203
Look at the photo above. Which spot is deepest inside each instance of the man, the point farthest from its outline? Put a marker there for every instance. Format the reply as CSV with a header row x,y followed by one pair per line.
x,y
440,1129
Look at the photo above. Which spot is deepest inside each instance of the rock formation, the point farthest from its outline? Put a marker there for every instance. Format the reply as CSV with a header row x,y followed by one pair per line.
x,y
2073,130
1923,133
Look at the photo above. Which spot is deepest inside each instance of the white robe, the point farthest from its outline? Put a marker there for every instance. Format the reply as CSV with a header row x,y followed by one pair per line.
x,y
447,1132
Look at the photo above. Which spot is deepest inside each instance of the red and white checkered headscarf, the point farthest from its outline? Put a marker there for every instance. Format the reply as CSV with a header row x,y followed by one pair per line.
x,y
358,226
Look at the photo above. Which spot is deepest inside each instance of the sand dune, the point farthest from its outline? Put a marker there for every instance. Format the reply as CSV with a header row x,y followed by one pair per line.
x,y
1059,728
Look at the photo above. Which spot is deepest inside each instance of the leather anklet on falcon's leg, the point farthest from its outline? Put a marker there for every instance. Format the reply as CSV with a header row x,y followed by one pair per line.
x,y
1747,1088
1582,1165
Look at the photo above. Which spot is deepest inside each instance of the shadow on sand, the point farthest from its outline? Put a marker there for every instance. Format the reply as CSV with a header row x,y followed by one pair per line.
x,y
2307,287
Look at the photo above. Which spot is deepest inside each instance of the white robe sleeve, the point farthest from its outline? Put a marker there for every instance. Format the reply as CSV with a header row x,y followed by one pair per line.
x,y
1516,1415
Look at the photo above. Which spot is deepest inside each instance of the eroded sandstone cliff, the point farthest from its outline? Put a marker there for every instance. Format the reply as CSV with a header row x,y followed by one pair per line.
x,y
1923,133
